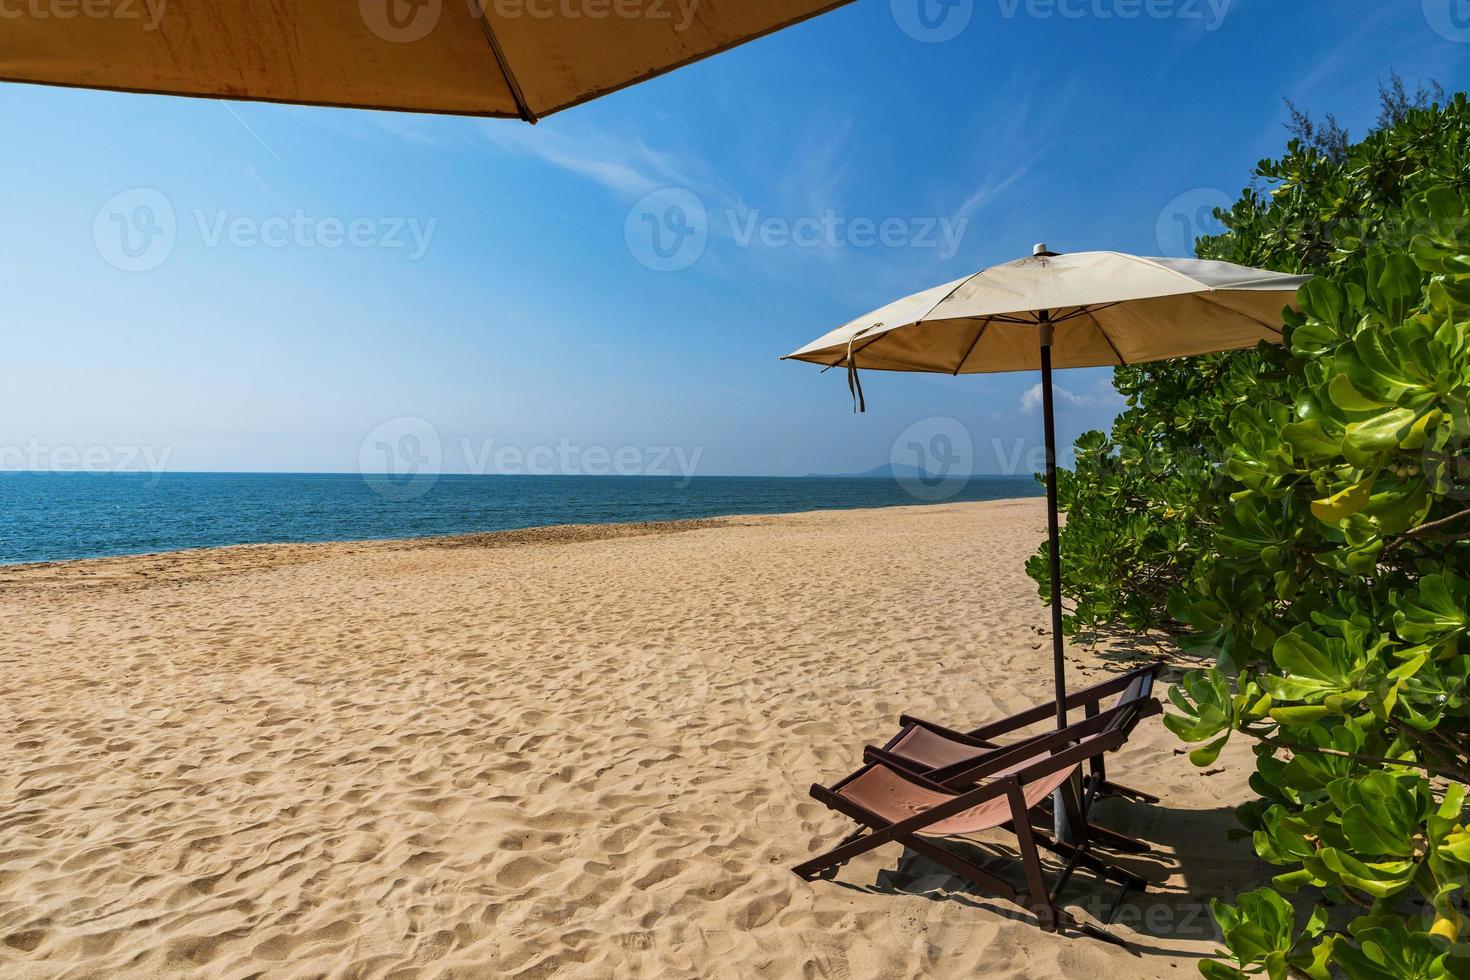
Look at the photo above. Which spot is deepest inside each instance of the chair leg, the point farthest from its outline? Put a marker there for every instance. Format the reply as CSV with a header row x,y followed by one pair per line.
x,y
1097,932
854,844
1075,800
1115,789
1035,900
874,832
1104,836
1040,900
1114,841
971,872
1086,859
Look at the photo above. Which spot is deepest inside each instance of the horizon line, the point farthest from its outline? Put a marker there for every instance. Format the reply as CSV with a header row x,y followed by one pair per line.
x,y
592,476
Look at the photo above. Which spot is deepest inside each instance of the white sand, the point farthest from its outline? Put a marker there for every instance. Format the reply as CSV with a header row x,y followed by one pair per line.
x,y
577,753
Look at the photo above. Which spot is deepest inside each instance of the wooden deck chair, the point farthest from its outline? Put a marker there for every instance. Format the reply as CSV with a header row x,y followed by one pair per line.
x,y
906,808
943,754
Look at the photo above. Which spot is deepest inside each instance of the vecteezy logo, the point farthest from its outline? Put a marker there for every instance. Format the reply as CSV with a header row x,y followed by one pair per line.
x,y
135,230
667,230
1444,461
932,21
402,458
933,458
400,21
1450,19
1189,217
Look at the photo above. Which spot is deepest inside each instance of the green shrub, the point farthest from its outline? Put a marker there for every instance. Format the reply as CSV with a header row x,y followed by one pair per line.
x,y
1339,596
1304,513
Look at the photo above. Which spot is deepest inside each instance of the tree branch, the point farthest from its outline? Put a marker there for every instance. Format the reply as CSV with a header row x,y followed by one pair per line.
x,y
1459,775
1424,741
1427,528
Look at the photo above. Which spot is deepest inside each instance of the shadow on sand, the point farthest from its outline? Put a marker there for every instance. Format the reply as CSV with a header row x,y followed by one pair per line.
x,y
1193,860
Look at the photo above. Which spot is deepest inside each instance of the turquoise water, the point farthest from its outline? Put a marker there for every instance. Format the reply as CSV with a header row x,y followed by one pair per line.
x,y
57,516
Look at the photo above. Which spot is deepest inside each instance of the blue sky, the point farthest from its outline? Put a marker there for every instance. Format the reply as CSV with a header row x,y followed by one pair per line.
x,y
498,288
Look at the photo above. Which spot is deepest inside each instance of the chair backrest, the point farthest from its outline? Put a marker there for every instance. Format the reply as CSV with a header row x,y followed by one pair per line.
x,y
1135,703
1113,725
1140,688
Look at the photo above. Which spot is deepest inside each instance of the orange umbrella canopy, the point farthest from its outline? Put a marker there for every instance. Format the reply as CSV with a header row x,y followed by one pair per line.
x,y
511,58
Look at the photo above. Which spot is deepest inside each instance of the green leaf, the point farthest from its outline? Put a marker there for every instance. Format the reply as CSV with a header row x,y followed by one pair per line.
x,y
1344,503
1418,434
1214,970
1293,881
1394,284
1305,654
1382,432
1454,801
1370,834
1437,612
1386,949
1206,754
1323,300
1346,396
1303,714
1309,439
1379,879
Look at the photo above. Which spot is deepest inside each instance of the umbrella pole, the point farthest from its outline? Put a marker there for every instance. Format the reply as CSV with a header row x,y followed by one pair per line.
x,y
1053,529
1053,525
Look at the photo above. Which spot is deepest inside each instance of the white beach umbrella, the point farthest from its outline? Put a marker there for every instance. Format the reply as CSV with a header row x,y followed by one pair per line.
x,y
1087,309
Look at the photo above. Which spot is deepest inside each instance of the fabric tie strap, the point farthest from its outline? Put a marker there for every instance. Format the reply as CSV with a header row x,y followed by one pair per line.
x,y
855,383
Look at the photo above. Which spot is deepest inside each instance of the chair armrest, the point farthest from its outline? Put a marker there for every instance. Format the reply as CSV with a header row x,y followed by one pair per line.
x,y
961,737
1005,726
874,755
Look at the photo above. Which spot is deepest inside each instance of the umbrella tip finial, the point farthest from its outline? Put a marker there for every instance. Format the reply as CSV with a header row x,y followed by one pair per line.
x,y
1040,249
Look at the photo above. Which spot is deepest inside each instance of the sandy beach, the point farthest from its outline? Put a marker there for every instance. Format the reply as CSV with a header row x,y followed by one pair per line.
x,y
573,752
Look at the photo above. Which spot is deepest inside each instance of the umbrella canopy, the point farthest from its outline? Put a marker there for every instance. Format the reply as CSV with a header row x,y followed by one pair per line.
x,y
1105,308
525,58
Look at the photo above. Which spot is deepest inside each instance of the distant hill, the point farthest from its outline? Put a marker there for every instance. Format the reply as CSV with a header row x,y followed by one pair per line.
x,y
888,471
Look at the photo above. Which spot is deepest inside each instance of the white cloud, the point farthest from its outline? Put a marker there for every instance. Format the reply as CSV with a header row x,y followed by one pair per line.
x,y
1012,120
617,161
1065,400
991,188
